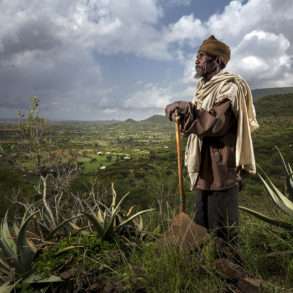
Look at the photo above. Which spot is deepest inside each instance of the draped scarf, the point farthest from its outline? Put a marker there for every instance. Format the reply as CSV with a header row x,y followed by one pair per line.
x,y
221,86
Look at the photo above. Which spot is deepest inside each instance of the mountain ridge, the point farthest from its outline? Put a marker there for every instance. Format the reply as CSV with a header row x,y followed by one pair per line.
x,y
258,94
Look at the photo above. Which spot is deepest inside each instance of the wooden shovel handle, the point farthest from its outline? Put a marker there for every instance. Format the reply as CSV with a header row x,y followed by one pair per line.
x,y
179,164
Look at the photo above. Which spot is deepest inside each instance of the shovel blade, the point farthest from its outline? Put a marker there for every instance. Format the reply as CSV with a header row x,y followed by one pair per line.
x,y
184,233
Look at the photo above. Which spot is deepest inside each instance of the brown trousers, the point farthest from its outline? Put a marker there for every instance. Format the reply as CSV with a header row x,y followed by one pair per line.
x,y
218,212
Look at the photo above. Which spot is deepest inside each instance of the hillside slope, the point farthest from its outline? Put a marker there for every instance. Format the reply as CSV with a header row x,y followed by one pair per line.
x,y
258,93
275,105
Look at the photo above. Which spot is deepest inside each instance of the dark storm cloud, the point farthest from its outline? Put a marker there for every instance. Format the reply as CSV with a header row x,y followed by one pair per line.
x,y
39,57
31,36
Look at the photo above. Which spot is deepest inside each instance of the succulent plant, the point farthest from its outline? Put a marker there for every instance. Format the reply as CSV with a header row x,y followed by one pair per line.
x,y
51,215
16,250
17,254
109,220
282,200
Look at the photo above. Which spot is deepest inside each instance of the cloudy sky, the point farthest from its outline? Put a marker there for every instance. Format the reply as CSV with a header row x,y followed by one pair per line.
x,y
118,59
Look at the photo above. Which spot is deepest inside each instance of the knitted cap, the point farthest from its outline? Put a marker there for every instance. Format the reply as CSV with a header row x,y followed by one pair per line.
x,y
214,47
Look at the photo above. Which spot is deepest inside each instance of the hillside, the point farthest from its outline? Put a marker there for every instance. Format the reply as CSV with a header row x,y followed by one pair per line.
x,y
258,93
275,105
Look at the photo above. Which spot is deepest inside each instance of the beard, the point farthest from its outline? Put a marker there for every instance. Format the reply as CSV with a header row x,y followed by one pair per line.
x,y
205,69
200,71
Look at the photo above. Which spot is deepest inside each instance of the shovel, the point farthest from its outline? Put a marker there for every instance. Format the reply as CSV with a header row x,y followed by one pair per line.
x,y
179,166
183,232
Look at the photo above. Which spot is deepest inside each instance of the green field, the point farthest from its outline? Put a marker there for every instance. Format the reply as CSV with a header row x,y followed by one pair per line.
x,y
84,158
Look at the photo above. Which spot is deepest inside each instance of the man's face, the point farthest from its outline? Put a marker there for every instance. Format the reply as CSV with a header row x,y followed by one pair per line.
x,y
204,64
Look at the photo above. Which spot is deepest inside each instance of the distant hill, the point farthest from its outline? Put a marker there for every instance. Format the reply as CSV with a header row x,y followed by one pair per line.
x,y
258,93
156,119
130,120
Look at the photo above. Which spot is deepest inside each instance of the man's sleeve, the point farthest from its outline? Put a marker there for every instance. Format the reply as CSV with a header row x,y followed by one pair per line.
x,y
215,122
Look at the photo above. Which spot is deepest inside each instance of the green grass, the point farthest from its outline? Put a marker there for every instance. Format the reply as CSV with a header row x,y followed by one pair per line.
x,y
150,267
160,269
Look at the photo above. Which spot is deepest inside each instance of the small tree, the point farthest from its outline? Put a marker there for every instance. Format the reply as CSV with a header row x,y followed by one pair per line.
x,y
33,131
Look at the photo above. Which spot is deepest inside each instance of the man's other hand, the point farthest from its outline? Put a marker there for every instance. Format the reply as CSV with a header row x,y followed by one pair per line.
x,y
181,107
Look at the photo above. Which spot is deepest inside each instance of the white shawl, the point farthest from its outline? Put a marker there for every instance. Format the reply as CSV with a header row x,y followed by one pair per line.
x,y
220,86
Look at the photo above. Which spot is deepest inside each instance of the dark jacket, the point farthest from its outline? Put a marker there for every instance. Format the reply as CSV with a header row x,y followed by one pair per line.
x,y
217,129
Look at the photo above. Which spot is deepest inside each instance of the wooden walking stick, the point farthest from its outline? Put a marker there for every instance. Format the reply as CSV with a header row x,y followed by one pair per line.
x,y
179,165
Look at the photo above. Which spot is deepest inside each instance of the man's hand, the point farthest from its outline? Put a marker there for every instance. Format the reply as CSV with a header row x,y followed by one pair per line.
x,y
181,107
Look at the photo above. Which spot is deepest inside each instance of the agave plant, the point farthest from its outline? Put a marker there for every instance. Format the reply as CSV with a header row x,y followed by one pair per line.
x,y
17,254
51,218
6,287
16,250
108,221
289,174
282,200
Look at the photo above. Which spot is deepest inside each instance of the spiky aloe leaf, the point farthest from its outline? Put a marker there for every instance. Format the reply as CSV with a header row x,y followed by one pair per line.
x,y
289,174
74,226
290,170
25,249
6,288
138,223
267,219
101,217
114,196
278,197
58,227
37,279
4,266
6,238
4,274
129,211
95,222
109,227
290,182
135,215
117,207
68,248
78,229
283,160
16,229
271,192
7,244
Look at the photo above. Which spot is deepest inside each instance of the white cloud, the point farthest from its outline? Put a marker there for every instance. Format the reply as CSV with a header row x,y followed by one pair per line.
x,y
186,28
153,98
262,58
150,96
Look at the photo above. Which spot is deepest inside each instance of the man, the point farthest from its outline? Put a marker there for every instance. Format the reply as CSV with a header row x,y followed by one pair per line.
x,y
218,122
